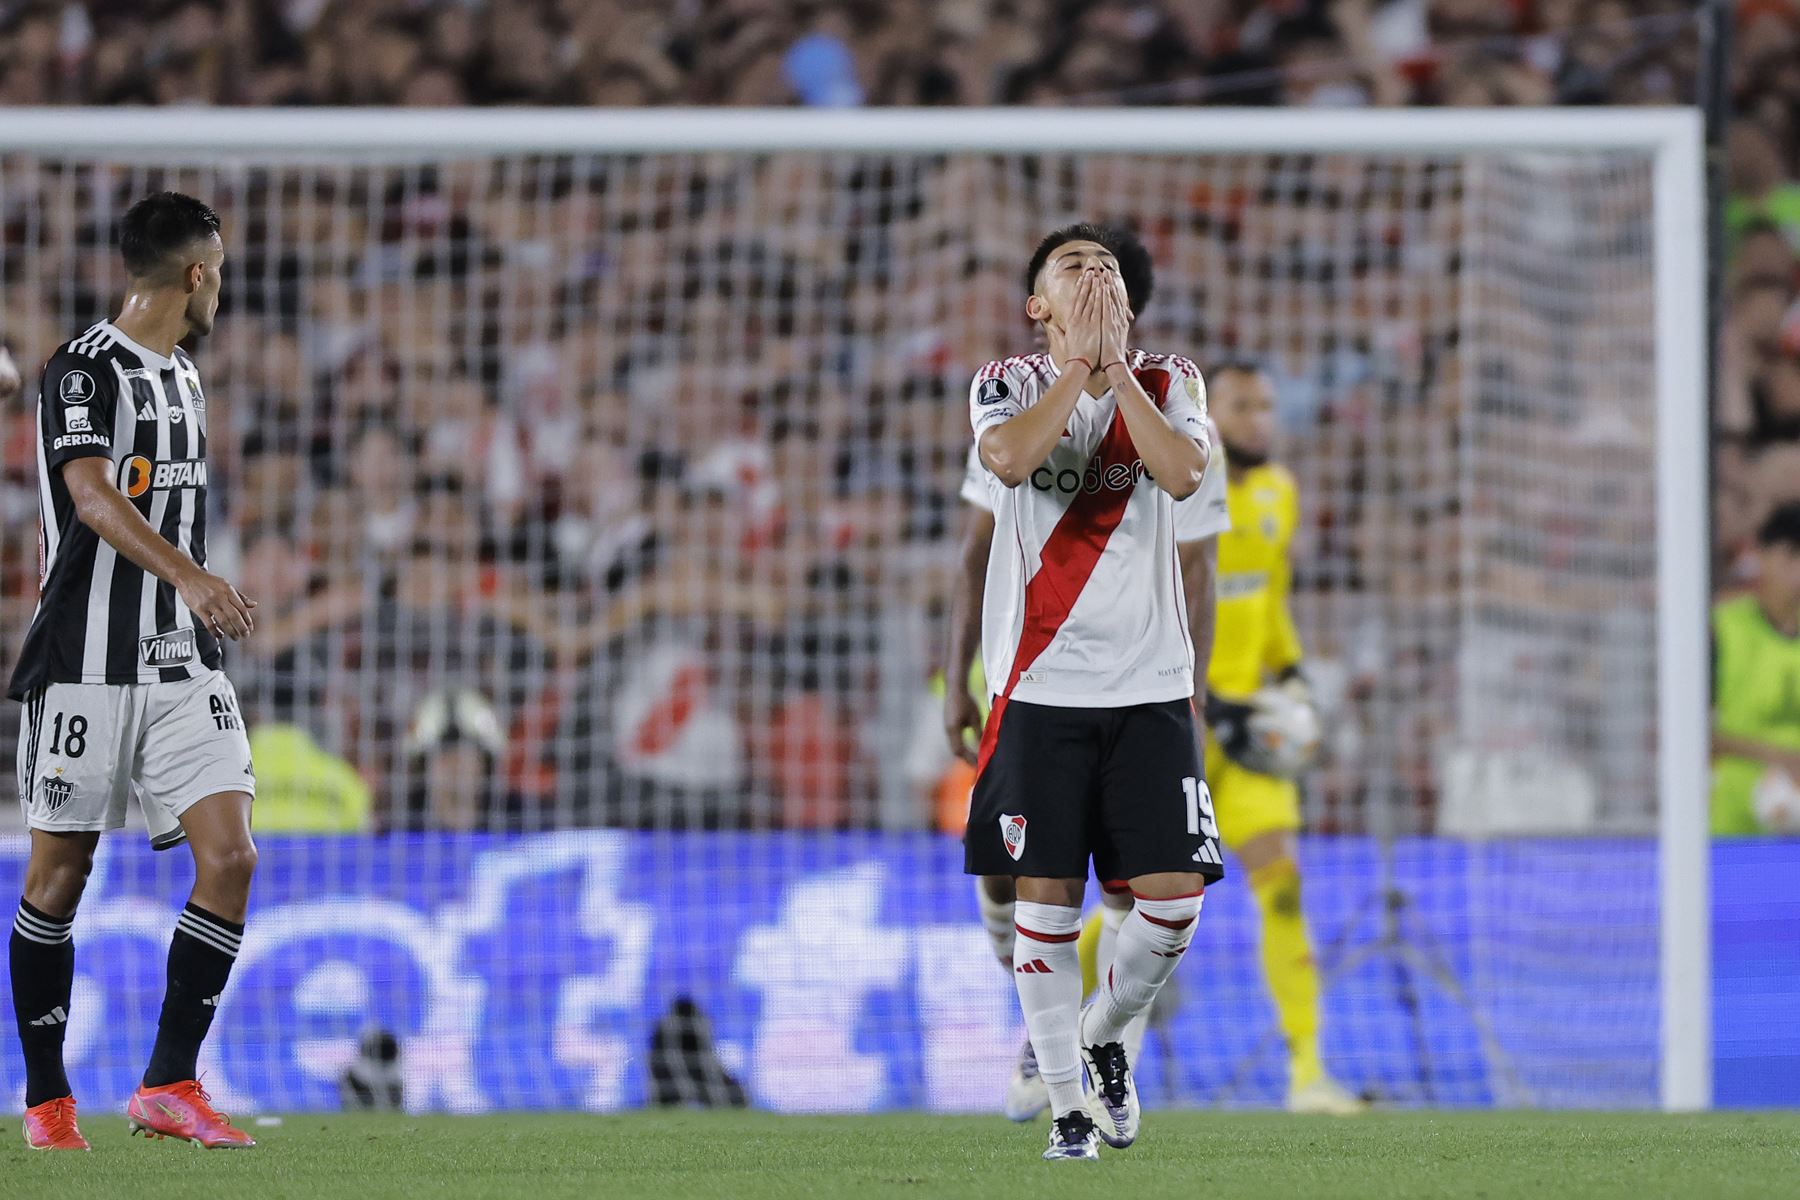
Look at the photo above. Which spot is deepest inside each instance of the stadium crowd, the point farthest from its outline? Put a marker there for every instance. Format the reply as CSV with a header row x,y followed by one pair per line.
x,y
1758,419
847,52
621,491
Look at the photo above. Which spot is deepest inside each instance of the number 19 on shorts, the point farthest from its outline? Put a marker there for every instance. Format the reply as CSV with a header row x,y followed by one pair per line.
x,y
1200,820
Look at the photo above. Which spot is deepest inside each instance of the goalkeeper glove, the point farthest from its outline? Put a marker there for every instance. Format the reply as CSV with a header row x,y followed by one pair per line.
x,y
1291,681
1275,732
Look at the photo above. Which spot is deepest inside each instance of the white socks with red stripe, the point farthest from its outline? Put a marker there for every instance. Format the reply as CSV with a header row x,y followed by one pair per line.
x,y
1047,970
997,918
1105,949
1150,942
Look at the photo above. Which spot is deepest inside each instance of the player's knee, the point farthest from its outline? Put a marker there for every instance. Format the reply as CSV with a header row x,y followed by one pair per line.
x,y
1172,911
1168,885
1065,893
1169,922
1278,885
229,867
55,887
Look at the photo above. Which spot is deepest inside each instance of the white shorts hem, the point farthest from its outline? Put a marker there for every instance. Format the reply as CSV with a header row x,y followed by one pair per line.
x,y
197,795
32,822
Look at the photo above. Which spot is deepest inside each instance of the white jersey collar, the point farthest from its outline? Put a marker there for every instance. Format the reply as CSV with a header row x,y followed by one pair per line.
x,y
161,362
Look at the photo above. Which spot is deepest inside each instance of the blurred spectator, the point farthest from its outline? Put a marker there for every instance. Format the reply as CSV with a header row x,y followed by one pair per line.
x,y
284,667
820,66
1756,690
10,381
452,750
474,441
381,488
1761,183
676,746
303,788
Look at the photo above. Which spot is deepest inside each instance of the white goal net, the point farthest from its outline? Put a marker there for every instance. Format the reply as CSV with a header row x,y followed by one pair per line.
x,y
601,505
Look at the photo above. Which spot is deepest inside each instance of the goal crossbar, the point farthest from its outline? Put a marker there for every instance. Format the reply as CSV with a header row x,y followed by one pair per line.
x,y
258,132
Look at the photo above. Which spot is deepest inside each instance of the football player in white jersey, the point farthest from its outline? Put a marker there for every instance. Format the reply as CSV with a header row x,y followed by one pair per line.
x,y
1199,520
1089,751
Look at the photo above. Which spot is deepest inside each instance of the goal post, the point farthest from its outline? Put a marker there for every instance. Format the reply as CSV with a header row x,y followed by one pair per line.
x,y
1684,689
1665,143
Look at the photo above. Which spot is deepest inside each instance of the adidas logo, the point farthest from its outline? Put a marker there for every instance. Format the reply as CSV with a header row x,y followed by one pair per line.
x,y
1208,853
1036,966
55,1016
148,412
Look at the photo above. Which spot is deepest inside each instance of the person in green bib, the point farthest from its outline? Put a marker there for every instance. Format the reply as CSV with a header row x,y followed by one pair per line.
x,y
1756,690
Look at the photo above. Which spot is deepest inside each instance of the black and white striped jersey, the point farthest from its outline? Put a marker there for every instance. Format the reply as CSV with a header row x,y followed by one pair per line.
x,y
100,618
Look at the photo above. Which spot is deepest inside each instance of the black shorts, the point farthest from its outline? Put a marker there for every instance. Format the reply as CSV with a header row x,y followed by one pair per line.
x,y
1122,786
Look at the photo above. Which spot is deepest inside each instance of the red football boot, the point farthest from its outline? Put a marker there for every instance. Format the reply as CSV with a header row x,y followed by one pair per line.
x,y
183,1111
51,1126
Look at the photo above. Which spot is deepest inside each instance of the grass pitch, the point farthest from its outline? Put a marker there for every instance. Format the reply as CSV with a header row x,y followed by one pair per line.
x,y
749,1156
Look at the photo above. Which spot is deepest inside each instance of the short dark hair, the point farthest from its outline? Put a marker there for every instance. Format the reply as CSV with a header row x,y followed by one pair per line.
x,y
1781,527
1134,260
160,225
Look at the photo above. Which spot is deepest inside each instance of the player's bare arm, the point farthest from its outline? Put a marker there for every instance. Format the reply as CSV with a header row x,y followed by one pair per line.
x,y
1731,745
962,715
1174,461
1199,580
102,507
1013,449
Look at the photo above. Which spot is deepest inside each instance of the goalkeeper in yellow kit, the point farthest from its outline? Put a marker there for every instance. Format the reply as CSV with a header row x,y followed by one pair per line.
x,y
1261,730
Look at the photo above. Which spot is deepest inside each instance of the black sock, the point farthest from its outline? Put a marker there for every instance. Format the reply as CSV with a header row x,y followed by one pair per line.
x,y
43,970
200,958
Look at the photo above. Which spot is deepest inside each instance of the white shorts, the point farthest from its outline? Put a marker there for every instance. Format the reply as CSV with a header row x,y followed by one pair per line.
x,y
84,747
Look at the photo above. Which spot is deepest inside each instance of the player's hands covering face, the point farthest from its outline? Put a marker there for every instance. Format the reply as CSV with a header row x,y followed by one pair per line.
x,y
1081,336
1115,324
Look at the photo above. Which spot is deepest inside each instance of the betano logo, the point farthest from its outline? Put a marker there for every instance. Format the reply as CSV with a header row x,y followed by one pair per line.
x,y
138,475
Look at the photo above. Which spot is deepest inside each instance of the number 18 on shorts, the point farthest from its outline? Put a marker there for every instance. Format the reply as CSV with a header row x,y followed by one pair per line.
x,y
1121,787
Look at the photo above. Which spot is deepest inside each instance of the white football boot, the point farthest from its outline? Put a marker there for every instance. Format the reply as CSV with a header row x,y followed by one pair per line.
x,y
1072,1138
1112,1096
1325,1096
1026,1095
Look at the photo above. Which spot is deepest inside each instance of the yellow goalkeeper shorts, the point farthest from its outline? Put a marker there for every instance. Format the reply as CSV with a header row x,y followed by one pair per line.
x,y
1247,804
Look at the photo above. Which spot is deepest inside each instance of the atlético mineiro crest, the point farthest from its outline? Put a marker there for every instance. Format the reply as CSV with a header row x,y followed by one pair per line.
x,y
1012,832
55,791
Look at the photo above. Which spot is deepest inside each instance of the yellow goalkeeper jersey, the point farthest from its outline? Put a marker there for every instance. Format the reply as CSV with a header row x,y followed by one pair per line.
x,y
1254,632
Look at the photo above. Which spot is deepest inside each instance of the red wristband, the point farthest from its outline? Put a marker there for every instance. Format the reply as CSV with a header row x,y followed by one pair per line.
x,y
1080,359
1117,362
